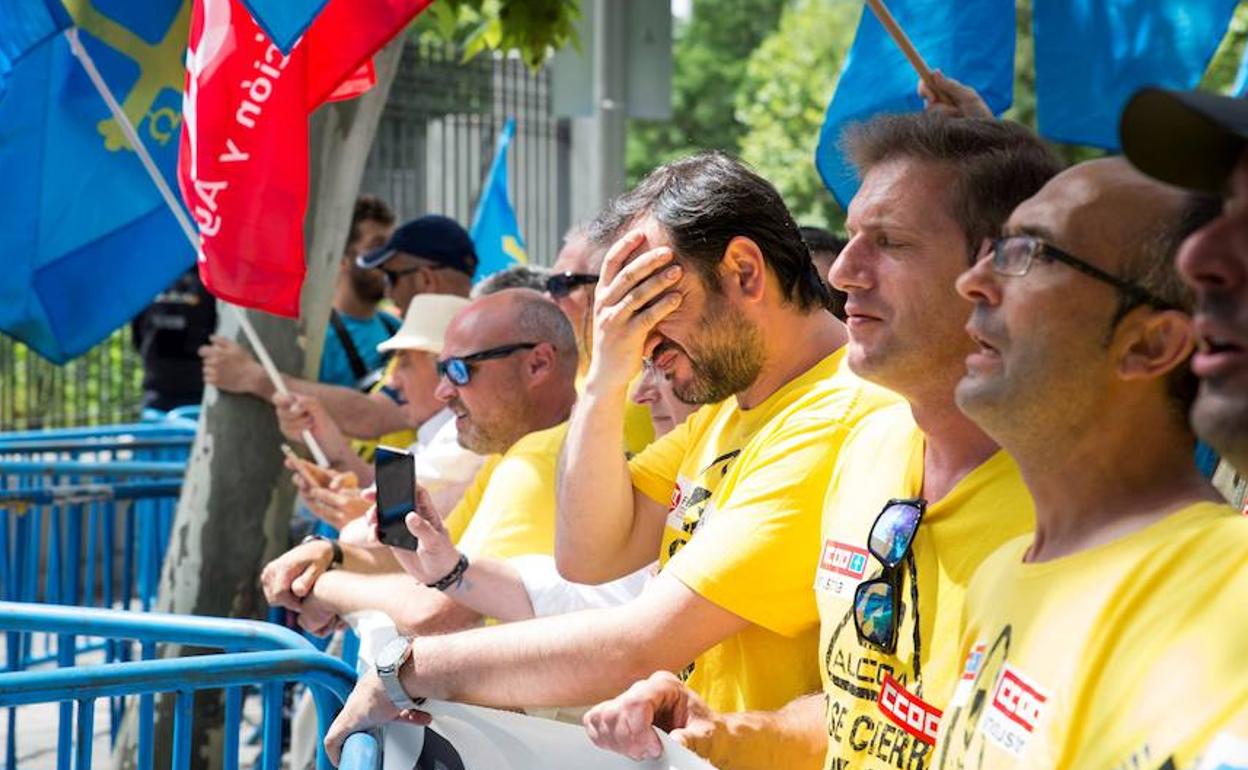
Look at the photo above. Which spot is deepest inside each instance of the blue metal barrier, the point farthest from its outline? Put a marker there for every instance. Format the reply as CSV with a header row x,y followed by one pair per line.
x,y
241,640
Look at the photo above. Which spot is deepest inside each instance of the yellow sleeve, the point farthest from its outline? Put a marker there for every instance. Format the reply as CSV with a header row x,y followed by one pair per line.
x,y
457,521
757,553
638,428
655,469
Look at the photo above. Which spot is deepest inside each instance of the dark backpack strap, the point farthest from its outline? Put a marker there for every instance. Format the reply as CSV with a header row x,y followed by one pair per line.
x,y
358,369
390,322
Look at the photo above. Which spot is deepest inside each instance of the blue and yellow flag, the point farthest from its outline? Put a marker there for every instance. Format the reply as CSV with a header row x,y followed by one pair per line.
x,y
494,231
87,240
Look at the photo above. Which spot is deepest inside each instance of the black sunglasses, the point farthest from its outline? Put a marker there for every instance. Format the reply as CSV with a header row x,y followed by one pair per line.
x,y
1014,254
458,369
877,602
561,285
393,276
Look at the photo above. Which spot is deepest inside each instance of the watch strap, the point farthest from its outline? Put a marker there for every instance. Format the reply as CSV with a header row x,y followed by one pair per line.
x,y
335,559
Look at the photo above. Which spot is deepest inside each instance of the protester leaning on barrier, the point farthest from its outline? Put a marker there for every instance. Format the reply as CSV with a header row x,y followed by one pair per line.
x,y
428,255
530,586
571,285
708,257
932,190
1113,637
1197,140
442,465
508,365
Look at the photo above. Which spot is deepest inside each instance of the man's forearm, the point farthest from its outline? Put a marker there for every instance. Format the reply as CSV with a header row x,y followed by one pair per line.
x,y
359,415
794,737
574,659
368,561
413,608
492,587
595,502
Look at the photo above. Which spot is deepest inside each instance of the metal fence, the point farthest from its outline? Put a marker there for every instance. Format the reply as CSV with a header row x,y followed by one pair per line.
x,y
433,148
437,137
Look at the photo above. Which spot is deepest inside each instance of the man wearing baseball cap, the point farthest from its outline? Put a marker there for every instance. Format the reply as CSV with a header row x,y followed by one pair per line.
x,y
1197,140
428,255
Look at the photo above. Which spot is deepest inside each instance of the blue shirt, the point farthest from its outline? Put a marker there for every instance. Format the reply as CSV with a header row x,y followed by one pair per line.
x,y
366,333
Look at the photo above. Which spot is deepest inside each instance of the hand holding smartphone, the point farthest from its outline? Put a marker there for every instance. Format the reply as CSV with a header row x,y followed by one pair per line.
x,y
396,496
307,470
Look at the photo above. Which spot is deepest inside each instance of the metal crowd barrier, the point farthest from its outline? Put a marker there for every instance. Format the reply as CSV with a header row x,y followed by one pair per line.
x,y
252,653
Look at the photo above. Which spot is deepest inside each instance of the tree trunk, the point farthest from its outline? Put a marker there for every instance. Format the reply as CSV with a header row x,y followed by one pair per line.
x,y
234,511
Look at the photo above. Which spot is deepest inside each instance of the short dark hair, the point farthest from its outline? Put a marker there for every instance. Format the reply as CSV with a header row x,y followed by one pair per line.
x,y
368,208
1154,270
819,239
998,164
703,202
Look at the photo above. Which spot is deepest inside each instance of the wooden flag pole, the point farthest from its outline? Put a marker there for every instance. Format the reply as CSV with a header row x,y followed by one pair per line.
x,y
184,222
903,42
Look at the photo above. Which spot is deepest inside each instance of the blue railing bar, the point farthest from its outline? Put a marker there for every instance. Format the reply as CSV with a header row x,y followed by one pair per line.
x,y
166,428
119,468
69,494
222,633
97,444
198,672
86,730
233,716
361,752
182,717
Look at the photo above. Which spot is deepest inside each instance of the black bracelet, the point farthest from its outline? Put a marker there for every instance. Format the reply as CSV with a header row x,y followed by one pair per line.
x,y
454,577
335,560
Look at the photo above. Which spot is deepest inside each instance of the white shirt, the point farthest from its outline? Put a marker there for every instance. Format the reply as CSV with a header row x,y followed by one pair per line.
x,y
443,467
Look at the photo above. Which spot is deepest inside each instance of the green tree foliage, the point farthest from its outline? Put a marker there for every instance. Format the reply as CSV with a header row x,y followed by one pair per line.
x,y
710,52
534,28
788,82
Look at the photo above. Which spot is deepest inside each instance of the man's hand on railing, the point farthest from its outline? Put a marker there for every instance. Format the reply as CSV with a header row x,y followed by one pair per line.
x,y
289,578
369,706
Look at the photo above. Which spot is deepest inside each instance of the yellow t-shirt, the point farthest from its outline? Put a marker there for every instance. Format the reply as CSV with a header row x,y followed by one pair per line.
x,y
883,459
509,508
1115,657
744,488
638,428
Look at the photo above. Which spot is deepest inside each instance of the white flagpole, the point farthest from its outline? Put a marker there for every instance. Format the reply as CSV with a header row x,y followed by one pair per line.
x,y
184,222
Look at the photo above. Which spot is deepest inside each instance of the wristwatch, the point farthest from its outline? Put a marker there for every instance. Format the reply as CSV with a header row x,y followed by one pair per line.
x,y
389,661
335,559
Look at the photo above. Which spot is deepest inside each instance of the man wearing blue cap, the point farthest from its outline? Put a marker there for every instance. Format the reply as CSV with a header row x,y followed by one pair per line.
x,y
428,255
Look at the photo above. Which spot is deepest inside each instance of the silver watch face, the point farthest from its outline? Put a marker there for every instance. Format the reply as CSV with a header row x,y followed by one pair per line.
x,y
393,654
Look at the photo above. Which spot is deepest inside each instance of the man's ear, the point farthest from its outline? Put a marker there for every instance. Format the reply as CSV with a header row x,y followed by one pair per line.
x,y
744,269
1153,343
540,363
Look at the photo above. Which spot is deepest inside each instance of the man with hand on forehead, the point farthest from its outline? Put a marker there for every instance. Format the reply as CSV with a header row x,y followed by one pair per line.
x,y
727,290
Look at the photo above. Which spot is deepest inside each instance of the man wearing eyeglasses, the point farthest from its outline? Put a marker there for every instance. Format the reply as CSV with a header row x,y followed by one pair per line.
x,y
919,495
1099,641
571,286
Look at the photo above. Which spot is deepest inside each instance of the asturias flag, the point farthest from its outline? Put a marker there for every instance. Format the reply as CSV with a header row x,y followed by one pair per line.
x,y
243,167
87,240
495,231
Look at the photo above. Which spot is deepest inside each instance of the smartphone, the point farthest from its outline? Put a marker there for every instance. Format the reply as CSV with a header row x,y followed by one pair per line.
x,y
396,496
311,472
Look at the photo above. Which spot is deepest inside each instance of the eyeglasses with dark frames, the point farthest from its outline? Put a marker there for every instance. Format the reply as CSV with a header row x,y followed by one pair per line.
x,y
877,602
1013,255
561,285
458,369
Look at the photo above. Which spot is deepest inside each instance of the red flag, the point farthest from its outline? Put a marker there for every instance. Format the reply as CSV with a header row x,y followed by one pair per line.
x,y
243,159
